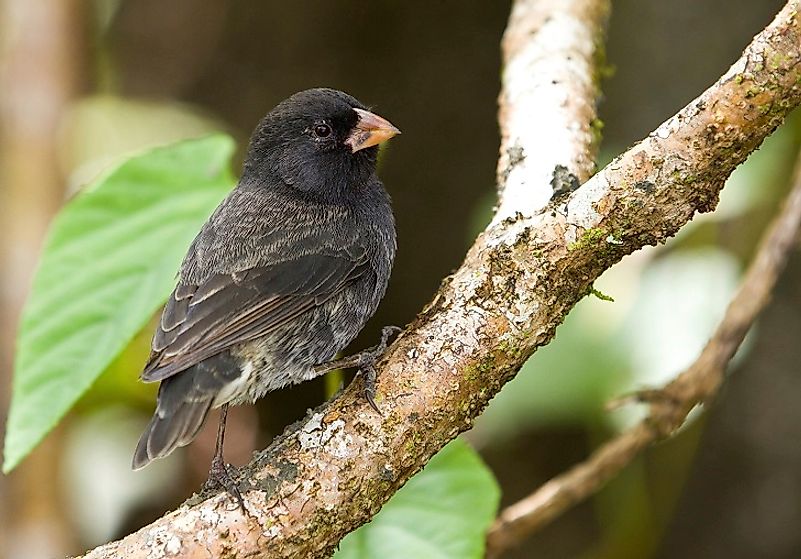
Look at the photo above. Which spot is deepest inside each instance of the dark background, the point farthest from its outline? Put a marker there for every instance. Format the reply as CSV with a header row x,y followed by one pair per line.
x,y
137,72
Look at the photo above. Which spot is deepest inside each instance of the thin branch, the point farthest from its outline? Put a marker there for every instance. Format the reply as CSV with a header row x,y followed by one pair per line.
x,y
332,471
670,405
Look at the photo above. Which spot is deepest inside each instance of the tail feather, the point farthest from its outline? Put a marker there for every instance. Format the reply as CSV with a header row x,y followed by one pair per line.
x,y
164,434
184,402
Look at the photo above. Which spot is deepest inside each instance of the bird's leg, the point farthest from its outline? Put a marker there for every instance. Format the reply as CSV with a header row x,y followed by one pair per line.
x,y
369,355
365,361
218,473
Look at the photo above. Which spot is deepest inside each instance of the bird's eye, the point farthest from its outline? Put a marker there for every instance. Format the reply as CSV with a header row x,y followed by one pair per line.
x,y
322,130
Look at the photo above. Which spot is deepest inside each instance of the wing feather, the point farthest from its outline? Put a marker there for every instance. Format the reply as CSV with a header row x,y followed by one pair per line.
x,y
200,321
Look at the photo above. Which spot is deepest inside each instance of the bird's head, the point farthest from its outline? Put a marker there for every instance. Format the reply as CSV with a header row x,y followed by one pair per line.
x,y
319,141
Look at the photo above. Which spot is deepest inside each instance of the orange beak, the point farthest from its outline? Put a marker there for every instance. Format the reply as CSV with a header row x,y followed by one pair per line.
x,y
370,130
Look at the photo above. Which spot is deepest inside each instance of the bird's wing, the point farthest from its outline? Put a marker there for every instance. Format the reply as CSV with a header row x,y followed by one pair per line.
x,y
201,320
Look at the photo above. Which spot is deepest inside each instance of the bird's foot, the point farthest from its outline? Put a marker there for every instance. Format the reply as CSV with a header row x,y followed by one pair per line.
x,y
365,362
373,354
219,476
368,374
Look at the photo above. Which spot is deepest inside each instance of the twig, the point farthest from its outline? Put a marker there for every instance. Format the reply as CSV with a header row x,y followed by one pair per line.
x,y
331,472
670,405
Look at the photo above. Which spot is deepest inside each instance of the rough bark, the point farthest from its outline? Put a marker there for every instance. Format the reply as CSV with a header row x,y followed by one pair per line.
x,y
553,57
671,404
331,472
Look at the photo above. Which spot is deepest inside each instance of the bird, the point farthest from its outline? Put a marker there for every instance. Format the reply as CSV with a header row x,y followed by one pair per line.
x,y
282,276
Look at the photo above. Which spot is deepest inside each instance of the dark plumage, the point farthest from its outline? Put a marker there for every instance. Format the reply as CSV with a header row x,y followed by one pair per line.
x,y
285,272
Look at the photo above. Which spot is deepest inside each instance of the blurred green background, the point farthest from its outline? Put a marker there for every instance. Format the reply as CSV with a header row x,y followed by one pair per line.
x,y
84,83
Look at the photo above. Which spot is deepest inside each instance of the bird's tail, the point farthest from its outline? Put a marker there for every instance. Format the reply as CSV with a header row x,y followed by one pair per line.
x,y
184,401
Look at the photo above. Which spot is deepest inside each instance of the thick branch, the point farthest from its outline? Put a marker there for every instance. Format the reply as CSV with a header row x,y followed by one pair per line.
x,y
547,102
331,472
670,405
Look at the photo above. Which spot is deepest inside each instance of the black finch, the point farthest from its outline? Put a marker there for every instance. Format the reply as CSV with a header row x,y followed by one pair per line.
x,y
282,276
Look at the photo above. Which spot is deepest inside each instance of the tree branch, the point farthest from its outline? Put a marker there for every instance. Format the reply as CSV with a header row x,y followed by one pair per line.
x,y
331,472
670,405
551,50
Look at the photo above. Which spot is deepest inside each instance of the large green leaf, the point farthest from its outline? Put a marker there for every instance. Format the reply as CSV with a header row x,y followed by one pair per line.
x,y
441,513
109,262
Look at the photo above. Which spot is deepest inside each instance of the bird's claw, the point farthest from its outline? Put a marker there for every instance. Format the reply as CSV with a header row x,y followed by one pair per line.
x,y
368,375
219,476
367,362
386,333
364,362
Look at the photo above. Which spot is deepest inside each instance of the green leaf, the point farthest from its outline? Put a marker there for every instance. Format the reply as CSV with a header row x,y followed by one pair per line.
x,y
109,262
441,513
